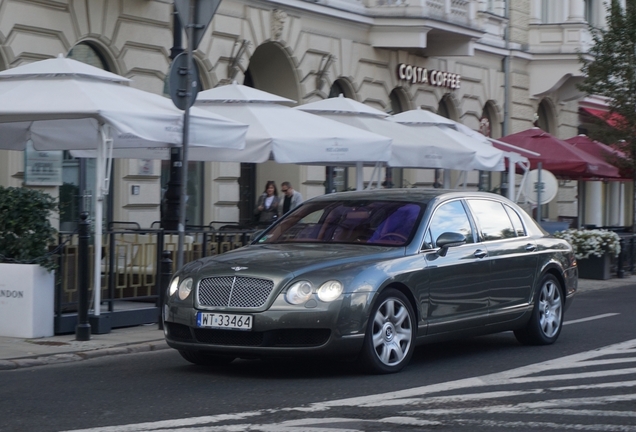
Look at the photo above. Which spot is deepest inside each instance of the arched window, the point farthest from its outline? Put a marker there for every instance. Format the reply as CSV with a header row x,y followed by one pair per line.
x,y
336,177
545,117
446,108
86,53
399,102
342,86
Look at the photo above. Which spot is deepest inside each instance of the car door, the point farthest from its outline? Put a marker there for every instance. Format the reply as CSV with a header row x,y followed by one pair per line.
x,y
512,256
459,281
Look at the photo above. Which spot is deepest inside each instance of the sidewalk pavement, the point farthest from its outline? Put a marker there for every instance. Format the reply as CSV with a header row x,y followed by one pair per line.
x,y
20,353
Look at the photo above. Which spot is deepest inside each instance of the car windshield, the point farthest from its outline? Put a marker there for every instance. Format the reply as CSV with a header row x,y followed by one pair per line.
x,y
391,223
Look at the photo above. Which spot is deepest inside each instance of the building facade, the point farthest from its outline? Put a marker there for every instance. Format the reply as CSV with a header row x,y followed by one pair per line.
x,y
496,66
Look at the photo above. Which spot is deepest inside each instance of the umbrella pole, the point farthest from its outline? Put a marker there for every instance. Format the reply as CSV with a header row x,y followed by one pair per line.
x,y
104,157
511,179
99,210
359,182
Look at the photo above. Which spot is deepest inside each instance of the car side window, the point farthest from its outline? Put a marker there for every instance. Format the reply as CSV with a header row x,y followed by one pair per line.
x,y
449,217
516,221
492,219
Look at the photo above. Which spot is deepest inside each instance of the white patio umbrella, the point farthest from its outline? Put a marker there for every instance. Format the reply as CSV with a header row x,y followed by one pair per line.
x,y
410,149
278,132
63,104
289,135
488,157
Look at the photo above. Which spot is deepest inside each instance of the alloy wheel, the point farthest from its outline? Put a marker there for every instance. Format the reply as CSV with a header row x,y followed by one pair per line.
x,y
392,331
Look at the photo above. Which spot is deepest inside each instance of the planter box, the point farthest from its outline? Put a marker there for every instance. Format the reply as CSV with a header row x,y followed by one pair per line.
x,y
595,267
27,293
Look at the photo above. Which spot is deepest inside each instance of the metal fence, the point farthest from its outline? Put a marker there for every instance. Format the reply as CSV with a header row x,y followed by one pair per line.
x,y
131,266
624,265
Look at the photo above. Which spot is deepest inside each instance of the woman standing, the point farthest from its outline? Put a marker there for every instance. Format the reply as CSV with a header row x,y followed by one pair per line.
x,y
267,204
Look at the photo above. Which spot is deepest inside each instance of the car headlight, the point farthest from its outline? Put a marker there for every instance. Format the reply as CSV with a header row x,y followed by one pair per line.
x,y
330,290
173,286
185,288
299,292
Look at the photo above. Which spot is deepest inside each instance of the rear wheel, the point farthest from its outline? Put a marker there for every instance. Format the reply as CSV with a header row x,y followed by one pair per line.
x,y
390,337
546,322
203,359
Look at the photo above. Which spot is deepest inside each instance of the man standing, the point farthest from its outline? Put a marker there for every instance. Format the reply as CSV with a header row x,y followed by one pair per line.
x,y
293,198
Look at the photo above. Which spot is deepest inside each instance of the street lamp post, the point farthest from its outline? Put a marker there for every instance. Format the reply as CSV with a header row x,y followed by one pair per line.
x,y
171,198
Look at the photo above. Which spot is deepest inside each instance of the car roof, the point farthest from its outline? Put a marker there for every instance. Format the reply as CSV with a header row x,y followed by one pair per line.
x,y
411,195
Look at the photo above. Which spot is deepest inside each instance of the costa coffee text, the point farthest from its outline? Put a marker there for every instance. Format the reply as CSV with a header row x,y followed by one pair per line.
x,y
419,75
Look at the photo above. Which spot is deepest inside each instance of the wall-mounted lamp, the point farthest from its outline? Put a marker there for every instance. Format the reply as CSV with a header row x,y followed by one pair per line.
x,y
325,63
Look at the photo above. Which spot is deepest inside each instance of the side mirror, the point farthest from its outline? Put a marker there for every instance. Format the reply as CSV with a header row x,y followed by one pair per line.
x,y
449,239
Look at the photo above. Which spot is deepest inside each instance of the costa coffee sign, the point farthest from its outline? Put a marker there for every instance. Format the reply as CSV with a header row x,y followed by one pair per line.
x,y
419,75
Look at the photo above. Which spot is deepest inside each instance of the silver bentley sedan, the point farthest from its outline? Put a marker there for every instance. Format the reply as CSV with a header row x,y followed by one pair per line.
x,y
369,275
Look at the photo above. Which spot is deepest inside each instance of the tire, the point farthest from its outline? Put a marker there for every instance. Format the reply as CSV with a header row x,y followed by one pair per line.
x,y
390,337
546,321
203,359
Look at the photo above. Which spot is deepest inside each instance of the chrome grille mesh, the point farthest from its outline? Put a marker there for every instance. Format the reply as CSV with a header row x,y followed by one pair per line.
x,y
234,291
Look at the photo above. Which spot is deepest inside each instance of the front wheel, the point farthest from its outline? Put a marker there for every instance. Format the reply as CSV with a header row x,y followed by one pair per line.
x,y
203,359
546,322
390,337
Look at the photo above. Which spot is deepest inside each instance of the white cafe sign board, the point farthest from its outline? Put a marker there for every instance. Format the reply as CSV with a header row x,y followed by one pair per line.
x,y
42,168
26,301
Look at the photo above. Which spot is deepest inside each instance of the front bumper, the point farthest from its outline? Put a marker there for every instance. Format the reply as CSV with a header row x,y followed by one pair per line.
x,y
333,329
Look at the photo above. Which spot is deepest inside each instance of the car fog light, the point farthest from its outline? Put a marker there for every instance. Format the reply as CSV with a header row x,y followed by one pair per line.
x,y
185,288
173,286
299,292
330,290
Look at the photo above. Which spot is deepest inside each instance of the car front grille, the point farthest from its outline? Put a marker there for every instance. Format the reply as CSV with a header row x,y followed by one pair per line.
x,y
273,338
234,291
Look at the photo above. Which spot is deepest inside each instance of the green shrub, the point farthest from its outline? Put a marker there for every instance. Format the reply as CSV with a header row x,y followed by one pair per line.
x,y
25,231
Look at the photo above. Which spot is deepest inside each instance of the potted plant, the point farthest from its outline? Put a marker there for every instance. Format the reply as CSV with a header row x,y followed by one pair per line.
x,y
593,250
26,265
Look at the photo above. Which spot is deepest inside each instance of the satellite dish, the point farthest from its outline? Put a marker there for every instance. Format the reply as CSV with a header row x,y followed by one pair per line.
x,y
549,189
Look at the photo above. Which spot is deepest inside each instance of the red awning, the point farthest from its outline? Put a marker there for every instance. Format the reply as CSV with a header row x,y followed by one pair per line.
x,y
603,152
612,119
559,157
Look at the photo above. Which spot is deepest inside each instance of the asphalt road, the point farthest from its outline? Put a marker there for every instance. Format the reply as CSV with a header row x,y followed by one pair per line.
x,y
586,381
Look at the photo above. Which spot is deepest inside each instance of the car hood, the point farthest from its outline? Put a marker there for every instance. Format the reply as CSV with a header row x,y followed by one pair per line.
x,y
285,259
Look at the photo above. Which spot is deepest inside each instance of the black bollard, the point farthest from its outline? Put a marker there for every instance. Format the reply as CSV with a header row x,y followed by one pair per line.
x,y
166,276
620,272
83,328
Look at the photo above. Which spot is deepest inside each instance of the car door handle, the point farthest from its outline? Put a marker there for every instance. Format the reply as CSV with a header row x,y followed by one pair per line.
x,y
480,253
530,247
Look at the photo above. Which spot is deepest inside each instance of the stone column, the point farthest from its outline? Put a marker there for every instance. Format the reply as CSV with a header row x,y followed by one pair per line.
x,y
616,207
535,12
576,11
593,203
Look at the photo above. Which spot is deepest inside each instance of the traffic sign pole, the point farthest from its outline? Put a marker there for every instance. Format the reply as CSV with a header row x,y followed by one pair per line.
x,y
195,16
186,136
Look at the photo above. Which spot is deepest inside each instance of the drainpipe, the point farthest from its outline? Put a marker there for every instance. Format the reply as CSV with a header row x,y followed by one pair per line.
x,y
506,70
505,127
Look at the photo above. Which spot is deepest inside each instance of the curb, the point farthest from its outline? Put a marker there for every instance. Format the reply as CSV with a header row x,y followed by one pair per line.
x,y
42,360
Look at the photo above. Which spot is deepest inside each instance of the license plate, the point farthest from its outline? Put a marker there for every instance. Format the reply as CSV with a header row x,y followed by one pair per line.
x,y
226,321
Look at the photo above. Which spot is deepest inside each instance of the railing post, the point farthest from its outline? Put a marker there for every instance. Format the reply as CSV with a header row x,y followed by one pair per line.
x,y
620,272
83,328
631,254
166,276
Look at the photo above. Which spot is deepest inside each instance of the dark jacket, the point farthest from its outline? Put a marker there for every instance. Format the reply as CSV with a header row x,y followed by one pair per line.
x,y
268,215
